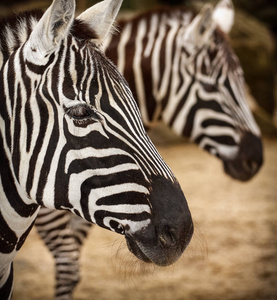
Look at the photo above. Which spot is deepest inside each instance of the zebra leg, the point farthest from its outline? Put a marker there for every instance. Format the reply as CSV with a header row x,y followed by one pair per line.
x,y
63,233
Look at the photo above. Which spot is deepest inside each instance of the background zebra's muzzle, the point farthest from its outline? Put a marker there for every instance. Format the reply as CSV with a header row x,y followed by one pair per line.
x,y
249,159
164,240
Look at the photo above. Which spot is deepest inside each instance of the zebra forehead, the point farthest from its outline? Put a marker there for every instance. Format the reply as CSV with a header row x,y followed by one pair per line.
x,y
82,31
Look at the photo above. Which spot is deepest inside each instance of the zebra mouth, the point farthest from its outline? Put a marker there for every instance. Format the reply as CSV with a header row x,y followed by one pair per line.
x,y
242,171
135,249
158,250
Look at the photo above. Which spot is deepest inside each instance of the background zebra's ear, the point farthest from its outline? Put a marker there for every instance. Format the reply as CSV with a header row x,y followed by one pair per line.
x,y
199,31
224,15
100,17
51,29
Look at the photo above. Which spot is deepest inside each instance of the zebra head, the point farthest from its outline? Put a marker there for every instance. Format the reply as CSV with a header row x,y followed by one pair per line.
x,y
81,140
217,115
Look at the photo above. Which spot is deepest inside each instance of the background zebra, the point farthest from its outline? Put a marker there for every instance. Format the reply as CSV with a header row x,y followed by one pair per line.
x,y
72,139
182,70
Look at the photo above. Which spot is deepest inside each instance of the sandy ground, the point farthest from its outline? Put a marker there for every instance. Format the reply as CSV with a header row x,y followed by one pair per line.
x,y
233,254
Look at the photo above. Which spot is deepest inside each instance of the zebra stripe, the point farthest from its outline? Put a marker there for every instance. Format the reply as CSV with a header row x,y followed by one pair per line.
x,y
72,138
197,91
193,81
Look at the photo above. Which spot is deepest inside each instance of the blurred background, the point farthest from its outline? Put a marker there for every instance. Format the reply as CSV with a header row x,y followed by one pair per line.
x,y
253,38
233,254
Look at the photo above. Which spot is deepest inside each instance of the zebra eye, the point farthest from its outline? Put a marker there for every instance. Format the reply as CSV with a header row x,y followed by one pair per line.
x,y
83,115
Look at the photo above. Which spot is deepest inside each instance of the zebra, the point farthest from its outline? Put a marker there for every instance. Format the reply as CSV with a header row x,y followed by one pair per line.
x,y
72,139
182,70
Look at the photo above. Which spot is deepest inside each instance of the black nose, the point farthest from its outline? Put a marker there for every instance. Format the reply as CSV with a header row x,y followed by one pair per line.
x,y
170,229
249,159
170,235
162,244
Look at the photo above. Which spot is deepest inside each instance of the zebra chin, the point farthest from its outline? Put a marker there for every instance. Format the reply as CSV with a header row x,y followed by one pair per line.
x,y
249,159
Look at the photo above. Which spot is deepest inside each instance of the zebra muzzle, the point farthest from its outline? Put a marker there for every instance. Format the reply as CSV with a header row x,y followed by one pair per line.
x,y
161,244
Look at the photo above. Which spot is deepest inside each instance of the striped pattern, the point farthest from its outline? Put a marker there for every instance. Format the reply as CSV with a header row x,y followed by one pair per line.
x,y
72,136
56,229
197,91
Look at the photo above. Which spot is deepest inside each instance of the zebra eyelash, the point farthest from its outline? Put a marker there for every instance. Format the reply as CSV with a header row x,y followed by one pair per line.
x,y
83,114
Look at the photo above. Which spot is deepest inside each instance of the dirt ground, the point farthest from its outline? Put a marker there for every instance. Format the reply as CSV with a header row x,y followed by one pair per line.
x,y
233,254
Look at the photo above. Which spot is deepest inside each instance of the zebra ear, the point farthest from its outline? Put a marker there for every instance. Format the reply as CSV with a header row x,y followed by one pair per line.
x,y
224,15
100,17
200,29
51,29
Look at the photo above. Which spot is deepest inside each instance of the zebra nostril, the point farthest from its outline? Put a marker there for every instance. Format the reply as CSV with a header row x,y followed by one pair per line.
x,y
250,165
167,236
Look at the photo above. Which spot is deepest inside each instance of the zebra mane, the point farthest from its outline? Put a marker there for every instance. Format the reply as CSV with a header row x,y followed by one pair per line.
x,y
184,16
222,39
16,29
176,13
